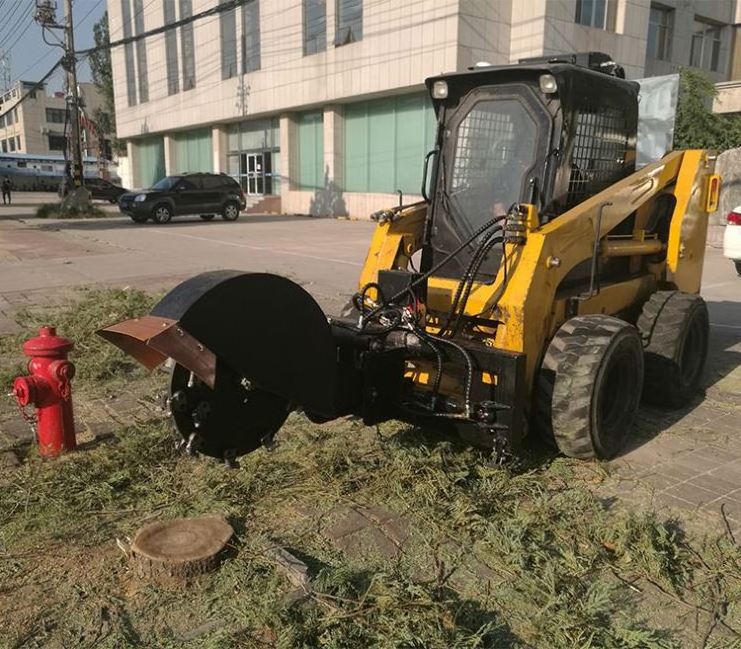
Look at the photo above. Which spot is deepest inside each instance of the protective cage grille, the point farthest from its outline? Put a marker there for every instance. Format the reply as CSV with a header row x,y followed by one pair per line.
x,y
601,142
476,160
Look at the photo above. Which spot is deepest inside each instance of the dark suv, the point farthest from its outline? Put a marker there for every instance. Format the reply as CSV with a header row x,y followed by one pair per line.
x,y
201,193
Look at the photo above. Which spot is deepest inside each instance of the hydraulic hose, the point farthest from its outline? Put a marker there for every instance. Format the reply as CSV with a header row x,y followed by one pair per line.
x,y
439,265
466,282
469,285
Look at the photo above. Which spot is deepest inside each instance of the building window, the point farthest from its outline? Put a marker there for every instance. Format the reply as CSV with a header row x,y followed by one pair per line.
x,y
311,151
228,34
56,115
315,26
660,23
187,46
251,36
171,50
148,161
5,146
592,13
141,52
18,141
192,151
706,41
11,143
385,143
349,26
57,143
128,53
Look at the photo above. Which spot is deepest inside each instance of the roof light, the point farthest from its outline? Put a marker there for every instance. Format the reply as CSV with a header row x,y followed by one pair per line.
x,y
548,84
440,89
734,218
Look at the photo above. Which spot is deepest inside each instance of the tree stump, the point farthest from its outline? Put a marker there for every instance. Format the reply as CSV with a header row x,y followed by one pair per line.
x,y
177,551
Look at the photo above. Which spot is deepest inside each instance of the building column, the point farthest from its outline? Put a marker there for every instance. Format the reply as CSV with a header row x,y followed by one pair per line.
x,y
169,146
288,155
220,146
334,149
133,179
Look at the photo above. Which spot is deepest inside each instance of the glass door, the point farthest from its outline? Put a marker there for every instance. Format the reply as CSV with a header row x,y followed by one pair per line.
x,y
255,174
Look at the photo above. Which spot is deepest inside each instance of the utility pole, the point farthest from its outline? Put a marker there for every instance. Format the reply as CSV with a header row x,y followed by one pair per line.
x,y
73,95
45,15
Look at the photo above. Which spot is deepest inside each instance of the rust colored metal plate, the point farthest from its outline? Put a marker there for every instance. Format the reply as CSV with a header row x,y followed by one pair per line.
x,y
151,340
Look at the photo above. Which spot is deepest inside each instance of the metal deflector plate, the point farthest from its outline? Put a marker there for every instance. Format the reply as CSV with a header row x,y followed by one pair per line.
x,y
152,340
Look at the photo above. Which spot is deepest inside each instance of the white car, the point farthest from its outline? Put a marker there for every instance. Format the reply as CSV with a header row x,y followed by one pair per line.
x,y
732,238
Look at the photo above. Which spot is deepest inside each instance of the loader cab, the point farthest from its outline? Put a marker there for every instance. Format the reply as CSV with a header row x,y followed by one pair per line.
x,y
549,133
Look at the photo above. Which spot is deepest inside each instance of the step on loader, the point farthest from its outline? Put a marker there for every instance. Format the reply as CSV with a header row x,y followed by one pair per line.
x,y
543,284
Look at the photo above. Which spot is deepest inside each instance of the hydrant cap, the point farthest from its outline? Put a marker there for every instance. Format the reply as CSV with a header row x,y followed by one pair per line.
x,y
47,343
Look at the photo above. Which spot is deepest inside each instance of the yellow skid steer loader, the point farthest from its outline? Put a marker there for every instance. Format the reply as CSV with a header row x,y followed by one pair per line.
x,y
543,283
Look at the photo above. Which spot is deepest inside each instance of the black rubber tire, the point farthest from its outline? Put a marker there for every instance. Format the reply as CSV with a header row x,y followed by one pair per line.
x,y
737,264
589,386
230,211
139,219
675,330
162,213
207,217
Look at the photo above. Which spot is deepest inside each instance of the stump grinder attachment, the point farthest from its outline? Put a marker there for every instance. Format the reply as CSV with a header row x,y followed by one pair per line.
x,y
557,286
222,327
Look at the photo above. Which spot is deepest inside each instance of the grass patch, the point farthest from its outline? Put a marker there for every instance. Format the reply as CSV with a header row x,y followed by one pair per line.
x,y
556,563
55,211
96,360
522,556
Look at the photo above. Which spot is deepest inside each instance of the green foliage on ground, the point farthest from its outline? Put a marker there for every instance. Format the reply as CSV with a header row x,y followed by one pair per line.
x,y
55,211
516,557
522,556
96,360
697,127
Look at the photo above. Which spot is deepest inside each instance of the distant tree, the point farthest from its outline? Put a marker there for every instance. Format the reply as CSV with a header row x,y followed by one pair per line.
x,y
100,67
697,126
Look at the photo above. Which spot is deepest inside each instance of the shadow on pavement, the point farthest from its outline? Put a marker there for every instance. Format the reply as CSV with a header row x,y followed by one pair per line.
x,y
722,360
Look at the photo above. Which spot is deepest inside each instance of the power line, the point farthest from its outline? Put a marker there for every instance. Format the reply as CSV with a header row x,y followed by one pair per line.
x,y
10,33
20,35
10,17
87,15
174,25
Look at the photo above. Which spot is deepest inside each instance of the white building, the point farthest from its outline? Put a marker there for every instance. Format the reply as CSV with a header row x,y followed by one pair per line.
x,y
319,105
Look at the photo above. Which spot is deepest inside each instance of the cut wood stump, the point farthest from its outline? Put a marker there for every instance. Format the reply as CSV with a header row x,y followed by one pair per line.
x,y
179,550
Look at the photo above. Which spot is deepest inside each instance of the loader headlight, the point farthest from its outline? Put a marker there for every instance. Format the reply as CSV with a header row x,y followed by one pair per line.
x,y
140,197
548,84
440,89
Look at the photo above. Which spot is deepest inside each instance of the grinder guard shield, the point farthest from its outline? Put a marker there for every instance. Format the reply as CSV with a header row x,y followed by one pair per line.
x,y
265,327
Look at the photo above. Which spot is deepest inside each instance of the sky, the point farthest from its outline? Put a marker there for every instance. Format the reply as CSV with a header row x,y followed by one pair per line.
x,y
31,58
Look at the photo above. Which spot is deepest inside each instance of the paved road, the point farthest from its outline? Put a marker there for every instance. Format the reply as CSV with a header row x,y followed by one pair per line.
x,y
693,465
324,255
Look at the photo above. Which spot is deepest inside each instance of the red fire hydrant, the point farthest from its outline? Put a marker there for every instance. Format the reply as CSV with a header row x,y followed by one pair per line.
x,y
49,389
